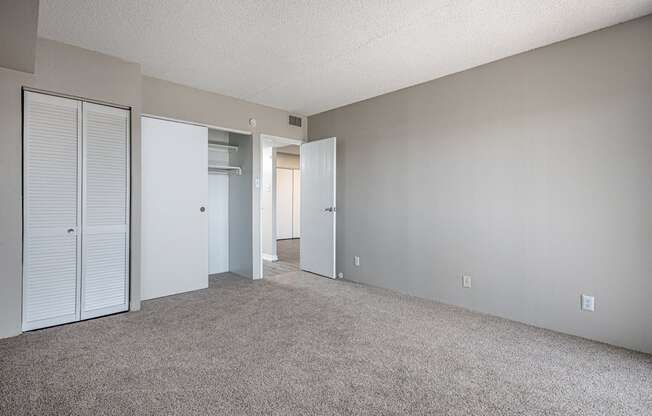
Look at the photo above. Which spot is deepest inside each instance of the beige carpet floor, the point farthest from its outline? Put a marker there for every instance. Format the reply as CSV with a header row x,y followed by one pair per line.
x,y
297,344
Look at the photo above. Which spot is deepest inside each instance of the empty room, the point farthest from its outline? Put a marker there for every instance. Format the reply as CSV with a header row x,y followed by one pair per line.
x,y
245,207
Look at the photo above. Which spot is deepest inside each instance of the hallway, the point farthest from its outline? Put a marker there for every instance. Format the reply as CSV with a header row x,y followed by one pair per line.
x,y
288,258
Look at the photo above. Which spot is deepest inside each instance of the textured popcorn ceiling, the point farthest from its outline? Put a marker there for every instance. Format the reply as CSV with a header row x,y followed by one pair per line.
x,y
311,56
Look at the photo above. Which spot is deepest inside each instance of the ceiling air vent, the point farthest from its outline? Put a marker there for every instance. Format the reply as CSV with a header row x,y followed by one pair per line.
x,y
295,121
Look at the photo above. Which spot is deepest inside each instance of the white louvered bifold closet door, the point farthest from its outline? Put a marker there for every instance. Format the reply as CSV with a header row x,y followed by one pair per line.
x,y
75,210
105,246
52,210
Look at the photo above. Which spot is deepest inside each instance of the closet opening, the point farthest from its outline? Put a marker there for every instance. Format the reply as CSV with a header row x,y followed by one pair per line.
x,y
298,210
280,206
229,203
197,205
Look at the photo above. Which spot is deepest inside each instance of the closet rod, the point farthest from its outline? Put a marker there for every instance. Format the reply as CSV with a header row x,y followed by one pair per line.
x,y
229,170
222,147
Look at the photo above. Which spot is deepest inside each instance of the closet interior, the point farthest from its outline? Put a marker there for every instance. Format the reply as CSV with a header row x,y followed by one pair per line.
x,y
229,202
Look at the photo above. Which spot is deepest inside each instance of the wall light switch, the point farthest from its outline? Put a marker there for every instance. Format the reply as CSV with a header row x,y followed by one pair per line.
x,y
356,260
466,281
588,303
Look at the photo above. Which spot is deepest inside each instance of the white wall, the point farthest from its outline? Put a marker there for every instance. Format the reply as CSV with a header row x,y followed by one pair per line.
x,y
288,157
267,205
284,203
218,207
296,203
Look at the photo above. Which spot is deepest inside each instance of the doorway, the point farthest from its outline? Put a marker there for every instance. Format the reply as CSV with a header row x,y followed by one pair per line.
x,y
280,206
297,206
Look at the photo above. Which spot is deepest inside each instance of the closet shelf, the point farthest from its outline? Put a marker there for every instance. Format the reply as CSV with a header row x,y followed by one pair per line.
x,y
222,147
224,169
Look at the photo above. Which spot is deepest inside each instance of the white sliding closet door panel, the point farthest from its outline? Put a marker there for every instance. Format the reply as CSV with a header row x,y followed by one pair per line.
x,y
296,203
174,225
52,209
105,246
218,223
283,203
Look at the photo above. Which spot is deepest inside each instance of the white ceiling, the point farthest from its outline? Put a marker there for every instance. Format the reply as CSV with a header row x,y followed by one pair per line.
x,y
311,56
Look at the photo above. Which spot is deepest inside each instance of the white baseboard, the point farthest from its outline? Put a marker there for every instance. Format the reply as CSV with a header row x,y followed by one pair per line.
x,y
269,257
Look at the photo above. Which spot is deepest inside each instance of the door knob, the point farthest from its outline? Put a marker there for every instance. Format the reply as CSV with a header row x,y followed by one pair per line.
x,y
329,209
202,209
71,230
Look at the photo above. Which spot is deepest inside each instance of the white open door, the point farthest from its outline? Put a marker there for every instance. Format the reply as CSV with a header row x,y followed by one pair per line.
x,y
318,210
175,196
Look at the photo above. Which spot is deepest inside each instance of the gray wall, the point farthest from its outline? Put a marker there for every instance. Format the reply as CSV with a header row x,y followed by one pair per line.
x,y
66,69
240,207
10,200
167,99
532,174
18,28
74,71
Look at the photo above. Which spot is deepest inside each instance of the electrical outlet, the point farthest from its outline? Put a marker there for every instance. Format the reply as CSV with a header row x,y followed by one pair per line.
x,y
340,275
588,303
356,260
466,281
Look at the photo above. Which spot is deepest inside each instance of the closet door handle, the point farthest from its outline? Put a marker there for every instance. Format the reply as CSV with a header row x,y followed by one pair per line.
x,y
71,230
202,209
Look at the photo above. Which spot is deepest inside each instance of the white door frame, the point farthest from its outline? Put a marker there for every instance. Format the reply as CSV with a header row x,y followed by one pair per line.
x,y
258,192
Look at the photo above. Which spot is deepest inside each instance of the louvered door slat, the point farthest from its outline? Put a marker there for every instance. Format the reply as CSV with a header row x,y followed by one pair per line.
x,y
105,211
51,266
